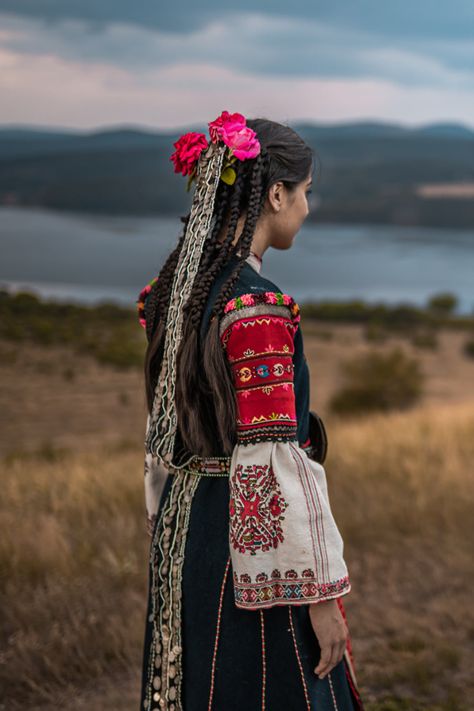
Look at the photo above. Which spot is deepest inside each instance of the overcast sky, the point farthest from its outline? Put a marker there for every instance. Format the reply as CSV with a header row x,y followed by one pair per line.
x,y
96,63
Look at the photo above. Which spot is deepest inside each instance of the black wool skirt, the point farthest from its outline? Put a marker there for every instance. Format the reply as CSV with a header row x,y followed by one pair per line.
x,y
201,652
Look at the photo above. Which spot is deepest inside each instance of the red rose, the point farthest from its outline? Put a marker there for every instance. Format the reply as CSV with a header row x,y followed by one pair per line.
x,y
188,149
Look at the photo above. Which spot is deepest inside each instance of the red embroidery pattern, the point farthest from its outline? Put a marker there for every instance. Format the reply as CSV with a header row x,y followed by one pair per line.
x,y
265,592
260,347
256,508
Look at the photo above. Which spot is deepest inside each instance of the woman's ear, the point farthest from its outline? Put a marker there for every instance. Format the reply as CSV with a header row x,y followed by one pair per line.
x,y
275,196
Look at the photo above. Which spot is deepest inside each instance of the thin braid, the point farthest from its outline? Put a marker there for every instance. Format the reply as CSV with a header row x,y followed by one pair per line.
x,y
216,368
244,243
206,278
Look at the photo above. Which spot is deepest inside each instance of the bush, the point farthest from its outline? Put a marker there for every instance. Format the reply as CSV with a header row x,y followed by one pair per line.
x,y
444,303
378,382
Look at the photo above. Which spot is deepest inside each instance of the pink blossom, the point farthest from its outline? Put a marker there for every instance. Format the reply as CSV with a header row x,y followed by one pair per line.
x,y
247,299
229,306
286,299
271,297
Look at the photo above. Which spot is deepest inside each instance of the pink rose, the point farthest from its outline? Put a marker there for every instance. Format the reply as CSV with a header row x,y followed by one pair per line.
x,y
224,123
243,143
188,149
286,299
233,131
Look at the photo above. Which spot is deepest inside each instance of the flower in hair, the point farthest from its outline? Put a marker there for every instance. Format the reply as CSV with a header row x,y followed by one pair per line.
x,y
229,128
188,149
233,131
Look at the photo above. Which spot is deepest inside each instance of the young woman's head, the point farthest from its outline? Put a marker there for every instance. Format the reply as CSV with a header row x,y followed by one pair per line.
x,y
265,206
285,173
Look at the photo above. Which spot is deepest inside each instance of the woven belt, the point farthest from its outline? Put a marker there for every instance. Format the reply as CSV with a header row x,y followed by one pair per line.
x,y
207,466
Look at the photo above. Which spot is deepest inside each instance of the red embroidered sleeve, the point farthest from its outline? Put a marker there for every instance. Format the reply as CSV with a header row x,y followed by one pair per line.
x,y
257,333
284,543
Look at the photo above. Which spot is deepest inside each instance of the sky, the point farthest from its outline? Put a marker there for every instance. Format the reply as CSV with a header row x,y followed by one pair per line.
x,y
90,64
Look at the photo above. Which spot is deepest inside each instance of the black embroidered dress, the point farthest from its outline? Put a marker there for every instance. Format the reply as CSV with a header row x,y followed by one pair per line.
x,y
241,545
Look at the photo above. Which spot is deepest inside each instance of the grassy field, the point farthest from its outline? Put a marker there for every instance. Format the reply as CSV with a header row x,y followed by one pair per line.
x,y
73,549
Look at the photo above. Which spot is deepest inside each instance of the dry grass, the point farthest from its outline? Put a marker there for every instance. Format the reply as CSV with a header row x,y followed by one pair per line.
x,y
73,557
402,488
73,547
73,565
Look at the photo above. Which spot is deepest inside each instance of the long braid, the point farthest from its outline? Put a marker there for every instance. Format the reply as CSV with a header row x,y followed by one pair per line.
x,y
195,385
206,278
245,241
204,395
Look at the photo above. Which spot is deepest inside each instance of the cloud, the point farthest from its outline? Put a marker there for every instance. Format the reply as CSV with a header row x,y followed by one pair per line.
x,y
251,42
52,91
85,63
400,19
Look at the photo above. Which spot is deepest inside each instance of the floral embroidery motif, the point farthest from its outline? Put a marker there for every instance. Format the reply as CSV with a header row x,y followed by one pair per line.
x,y
256,508
265,297
245,374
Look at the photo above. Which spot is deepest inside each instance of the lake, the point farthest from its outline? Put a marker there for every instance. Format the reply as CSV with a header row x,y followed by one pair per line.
x,y
92,258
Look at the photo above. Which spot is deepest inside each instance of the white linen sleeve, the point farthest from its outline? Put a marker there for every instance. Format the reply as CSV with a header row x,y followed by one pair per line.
x,y
284,543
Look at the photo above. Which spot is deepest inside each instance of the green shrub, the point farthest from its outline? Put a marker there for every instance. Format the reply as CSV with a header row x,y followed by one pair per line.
x,y
377,381
444,302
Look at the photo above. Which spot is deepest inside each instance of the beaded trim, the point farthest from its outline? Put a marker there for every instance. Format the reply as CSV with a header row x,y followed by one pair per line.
x,y
205,466
140,302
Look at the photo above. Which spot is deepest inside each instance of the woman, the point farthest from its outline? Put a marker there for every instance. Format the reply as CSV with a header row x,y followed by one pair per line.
x,y
246,561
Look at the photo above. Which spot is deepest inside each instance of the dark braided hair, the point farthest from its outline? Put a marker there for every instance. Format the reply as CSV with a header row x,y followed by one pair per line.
x,y
205,397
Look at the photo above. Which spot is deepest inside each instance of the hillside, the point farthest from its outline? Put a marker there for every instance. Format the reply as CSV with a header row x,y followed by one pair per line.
x,y
366,172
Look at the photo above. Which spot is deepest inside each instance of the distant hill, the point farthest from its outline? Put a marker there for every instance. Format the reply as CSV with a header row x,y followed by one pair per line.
x,y
368,172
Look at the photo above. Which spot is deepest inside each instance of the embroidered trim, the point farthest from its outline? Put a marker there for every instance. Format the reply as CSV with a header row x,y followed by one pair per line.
x,y
303,681
279,432
265,297
218,629
242,316
264,661
256,508
333,695
163,681
293,588
141,301
250,353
